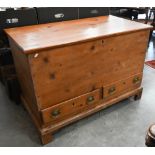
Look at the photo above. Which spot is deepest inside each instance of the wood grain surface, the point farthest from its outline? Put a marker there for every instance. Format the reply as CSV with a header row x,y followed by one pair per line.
x,y
64,73
37,37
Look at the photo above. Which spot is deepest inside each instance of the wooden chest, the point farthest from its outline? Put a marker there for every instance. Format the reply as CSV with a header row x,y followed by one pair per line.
x,y
69,70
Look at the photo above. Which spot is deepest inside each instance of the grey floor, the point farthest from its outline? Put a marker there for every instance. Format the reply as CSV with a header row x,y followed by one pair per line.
x,y
123,124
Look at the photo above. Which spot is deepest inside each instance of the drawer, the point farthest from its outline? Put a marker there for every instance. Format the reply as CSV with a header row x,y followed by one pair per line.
x,y
71,107
56,14
86,12
14,18
122,86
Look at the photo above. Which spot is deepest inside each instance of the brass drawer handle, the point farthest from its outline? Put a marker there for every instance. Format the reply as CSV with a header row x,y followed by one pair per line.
x,y
136,80
55,112
111,90
12,20
59,15
94,11
90,99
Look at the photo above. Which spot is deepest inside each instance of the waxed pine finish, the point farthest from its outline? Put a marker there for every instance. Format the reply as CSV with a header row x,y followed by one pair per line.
x,y
69,70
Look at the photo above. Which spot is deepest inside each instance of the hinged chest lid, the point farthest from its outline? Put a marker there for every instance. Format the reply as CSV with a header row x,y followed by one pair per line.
x,y
51,35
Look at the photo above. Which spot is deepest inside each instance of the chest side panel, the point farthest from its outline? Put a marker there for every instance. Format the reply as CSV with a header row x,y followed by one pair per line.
x,y
24,76
67,72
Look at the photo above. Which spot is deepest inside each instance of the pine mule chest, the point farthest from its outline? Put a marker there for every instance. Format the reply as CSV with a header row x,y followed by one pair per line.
x,y
69,70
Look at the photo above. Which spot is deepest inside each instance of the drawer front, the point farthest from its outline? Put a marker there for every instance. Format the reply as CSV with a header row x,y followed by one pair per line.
x,y
70,107
15,18
50,14
122,86
93,12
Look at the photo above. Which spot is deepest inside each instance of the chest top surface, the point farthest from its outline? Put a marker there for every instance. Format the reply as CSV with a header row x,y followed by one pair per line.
x,y
36,37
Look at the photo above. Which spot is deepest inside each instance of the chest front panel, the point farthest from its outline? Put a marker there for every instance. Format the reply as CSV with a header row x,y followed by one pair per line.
x,y
66,72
